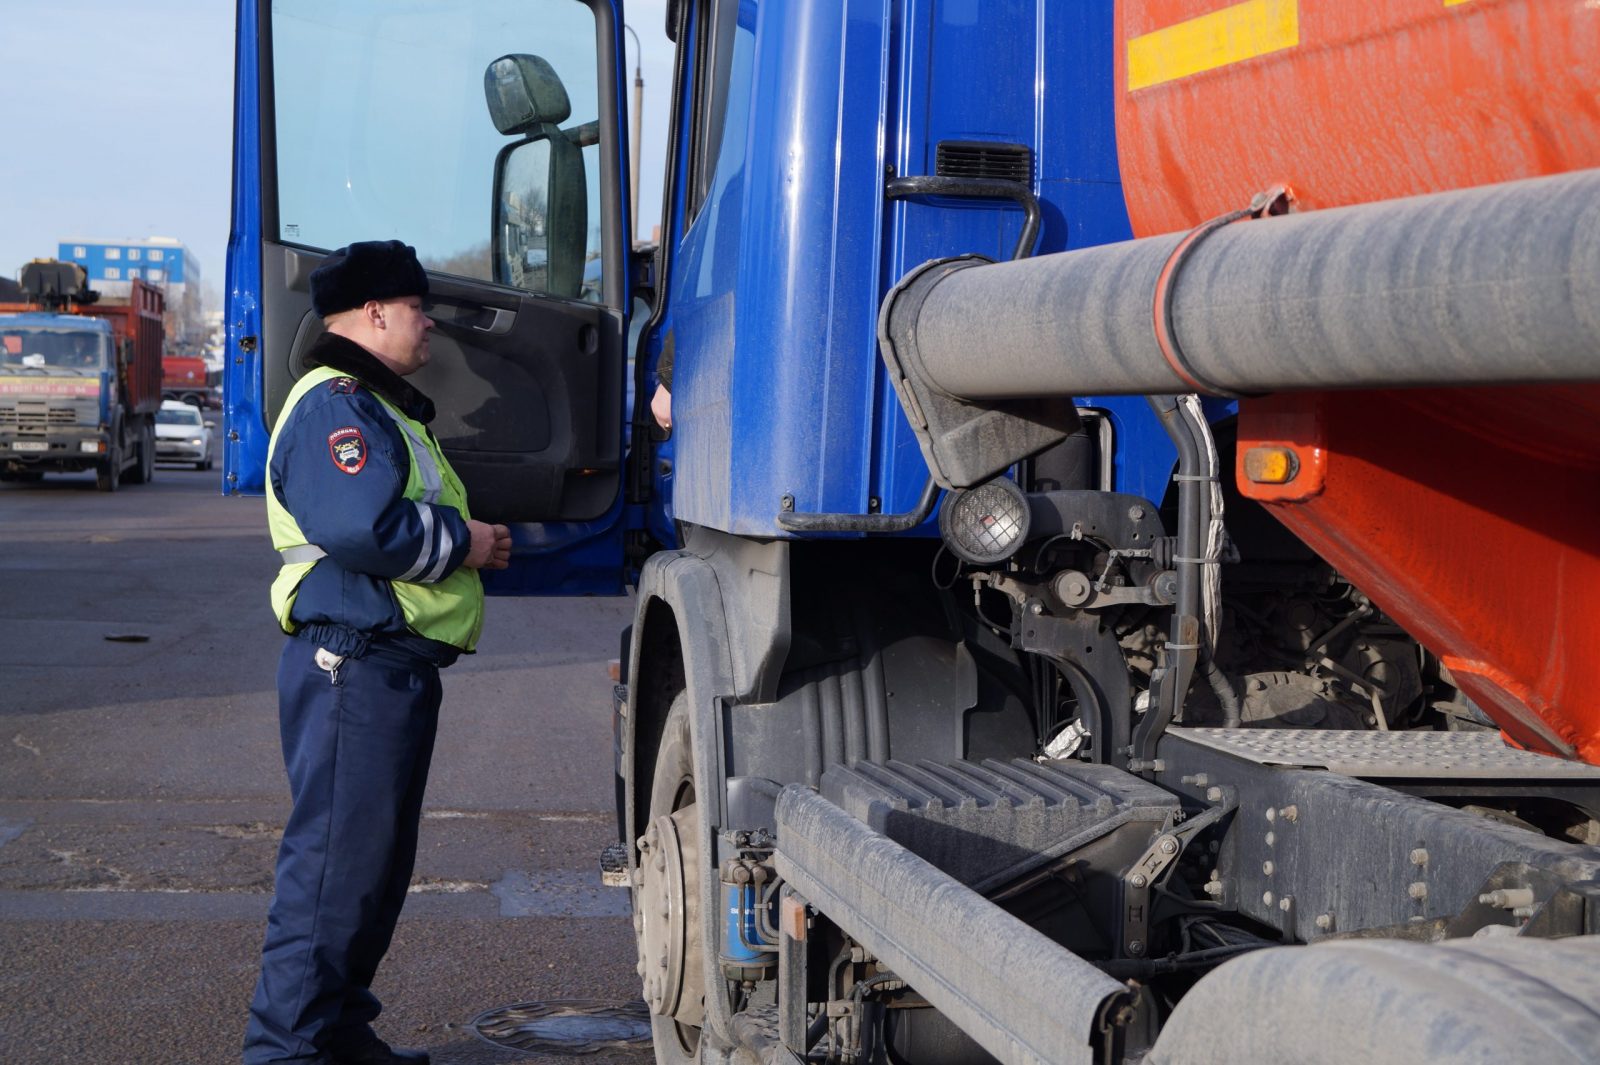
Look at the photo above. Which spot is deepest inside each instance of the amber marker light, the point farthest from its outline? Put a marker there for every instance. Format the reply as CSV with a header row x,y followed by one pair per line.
x,y
1271,465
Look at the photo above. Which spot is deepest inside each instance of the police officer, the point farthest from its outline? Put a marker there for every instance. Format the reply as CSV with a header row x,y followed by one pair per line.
x,y
378,590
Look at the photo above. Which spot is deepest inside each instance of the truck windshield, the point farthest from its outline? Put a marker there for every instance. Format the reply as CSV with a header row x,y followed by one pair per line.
x,y
342,70
52,349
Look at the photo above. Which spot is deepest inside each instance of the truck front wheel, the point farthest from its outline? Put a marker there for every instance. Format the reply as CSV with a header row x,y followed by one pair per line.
x,y
143,471
667,916
109,473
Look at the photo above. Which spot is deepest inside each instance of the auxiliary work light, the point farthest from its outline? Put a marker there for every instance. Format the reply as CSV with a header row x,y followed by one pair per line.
x,y
986,524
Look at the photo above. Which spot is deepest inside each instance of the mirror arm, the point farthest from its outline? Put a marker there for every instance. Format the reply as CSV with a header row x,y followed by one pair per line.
x,y
584,136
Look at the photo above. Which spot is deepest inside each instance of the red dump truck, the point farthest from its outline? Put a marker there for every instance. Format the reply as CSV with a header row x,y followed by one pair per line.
x,y
80,378
186,379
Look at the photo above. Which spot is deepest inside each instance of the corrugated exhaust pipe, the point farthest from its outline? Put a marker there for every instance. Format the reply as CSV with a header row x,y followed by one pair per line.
x,y
1485,286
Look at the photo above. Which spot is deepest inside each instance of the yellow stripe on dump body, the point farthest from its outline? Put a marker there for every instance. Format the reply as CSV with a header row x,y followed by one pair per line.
x,y
1239,32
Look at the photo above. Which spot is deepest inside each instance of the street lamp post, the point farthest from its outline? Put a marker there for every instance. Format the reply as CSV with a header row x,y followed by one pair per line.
x,y
633,137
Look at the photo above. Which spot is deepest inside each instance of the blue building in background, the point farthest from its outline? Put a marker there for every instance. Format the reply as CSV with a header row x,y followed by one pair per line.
x,y
160,261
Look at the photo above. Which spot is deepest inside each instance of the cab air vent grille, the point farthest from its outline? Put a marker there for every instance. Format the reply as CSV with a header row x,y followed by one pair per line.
x,y
984,159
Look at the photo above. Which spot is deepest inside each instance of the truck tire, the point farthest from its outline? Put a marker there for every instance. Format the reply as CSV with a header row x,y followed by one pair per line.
x,y
667,916
1386,1002
108,474
143,471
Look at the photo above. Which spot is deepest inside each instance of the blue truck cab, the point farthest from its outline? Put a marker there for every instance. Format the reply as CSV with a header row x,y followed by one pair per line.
x,y
67,359
766,285
60,398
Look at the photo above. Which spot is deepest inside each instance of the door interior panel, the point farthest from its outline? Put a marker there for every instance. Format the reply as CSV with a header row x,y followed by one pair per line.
x,y
528,389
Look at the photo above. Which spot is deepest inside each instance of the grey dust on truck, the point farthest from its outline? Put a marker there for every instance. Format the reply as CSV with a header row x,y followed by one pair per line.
x,y
1118,584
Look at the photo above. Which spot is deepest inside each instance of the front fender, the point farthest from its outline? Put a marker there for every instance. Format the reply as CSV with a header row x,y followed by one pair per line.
x,y
713,620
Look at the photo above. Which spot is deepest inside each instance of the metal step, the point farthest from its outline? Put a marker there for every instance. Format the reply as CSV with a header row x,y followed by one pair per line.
x,y
1387,755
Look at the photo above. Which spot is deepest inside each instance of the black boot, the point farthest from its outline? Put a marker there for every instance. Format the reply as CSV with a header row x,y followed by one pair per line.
x,y
377,1052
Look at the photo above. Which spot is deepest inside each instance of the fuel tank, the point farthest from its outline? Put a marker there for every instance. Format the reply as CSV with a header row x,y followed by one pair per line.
x,y
1347,102
1471,515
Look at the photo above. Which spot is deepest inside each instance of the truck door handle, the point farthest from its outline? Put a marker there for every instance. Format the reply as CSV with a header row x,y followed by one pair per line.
x,y
494,321
499,323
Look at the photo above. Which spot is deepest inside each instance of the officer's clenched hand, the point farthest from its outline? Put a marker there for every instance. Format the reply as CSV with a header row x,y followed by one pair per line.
x,y
491,546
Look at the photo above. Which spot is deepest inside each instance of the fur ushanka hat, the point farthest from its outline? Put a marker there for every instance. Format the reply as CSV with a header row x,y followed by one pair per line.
x,y
366,270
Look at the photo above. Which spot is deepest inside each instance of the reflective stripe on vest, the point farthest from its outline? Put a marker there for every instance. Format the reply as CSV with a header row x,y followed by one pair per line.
x,y
432,484
445,608
422,455
427,468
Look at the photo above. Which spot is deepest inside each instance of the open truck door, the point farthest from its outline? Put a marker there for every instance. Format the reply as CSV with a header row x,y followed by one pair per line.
x,y
487,135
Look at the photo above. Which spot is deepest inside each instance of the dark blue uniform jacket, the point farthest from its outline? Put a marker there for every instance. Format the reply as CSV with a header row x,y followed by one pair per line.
x,y
371,533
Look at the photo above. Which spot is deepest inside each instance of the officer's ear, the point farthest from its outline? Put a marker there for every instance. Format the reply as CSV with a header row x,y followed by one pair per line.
x,y
372,313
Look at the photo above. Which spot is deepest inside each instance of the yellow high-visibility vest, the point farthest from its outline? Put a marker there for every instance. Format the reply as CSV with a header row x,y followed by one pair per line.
x,y
448,610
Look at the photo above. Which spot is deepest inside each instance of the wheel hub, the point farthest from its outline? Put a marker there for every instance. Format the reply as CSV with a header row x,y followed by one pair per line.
x,y
667,916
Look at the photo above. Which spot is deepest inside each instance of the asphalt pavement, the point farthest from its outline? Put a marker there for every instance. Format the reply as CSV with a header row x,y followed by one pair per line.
x,y
142,793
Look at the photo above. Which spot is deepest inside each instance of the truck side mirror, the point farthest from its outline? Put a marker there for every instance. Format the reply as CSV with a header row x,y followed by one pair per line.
x,y
541,209
541,203
525,93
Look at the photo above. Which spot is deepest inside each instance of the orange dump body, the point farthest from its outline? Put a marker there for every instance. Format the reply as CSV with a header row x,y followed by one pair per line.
x,y
1470,516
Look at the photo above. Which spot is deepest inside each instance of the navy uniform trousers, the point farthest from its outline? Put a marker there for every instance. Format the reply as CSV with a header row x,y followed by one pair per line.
x,y
356,742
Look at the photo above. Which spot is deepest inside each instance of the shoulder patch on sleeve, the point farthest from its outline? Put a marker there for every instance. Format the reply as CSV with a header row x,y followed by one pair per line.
x,y
346,386
348,449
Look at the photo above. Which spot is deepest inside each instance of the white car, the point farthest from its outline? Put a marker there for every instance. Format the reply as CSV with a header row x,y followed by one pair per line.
x,y
182,435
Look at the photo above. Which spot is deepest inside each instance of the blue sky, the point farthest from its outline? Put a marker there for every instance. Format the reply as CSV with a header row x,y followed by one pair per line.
x,y
119,123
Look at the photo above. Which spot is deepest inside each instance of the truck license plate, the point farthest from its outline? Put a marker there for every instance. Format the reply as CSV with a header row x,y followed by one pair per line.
x,y
31,445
